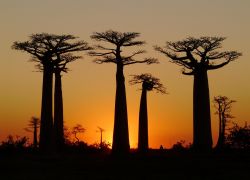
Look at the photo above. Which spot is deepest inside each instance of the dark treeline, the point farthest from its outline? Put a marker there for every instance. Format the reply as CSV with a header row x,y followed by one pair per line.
x,y
196,55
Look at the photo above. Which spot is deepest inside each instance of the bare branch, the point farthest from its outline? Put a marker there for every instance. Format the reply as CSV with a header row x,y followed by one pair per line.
x,y
185,52
228,56
119,40
146,61
103,48
53,50
106,59
93,53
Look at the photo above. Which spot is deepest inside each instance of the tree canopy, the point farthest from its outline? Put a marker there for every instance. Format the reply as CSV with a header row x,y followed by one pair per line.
x,y
46,47
149,82
112,54
192,52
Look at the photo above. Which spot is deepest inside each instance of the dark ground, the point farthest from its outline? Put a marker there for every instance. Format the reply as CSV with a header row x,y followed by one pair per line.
x,y
156,165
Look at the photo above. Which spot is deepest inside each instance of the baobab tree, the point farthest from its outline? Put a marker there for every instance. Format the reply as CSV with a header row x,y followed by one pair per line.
x,y
60,66
33,125
197,56
44,49
149,83
223,107
113,54
101,130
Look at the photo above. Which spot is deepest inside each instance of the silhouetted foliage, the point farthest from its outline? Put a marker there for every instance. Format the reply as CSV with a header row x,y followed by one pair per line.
x,y
48,50
113,54
239,137
104,147
197,56
179,146
149,83
34,124
223,107
14,145
77,130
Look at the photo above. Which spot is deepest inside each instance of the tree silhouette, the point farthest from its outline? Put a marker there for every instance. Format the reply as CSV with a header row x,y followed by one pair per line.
x,y
113,54
149,83
239,137
223,107
197,56
101,130
59,67
44,49
76,130
33,125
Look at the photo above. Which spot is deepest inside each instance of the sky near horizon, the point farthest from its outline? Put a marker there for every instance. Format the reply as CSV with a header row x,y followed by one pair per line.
x,y
89,88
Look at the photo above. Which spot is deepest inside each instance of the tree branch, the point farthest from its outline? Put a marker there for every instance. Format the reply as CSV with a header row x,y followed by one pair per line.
x,y
146,60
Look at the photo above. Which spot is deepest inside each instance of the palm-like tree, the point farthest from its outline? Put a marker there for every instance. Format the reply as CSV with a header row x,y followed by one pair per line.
x,y
101,130
33,125
149,83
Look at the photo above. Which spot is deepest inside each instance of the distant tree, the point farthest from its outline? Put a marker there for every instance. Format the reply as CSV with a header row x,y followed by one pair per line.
x,y
223,107
77,130
239,137
197,56
101,130
149,83
33,125
45,49
113,54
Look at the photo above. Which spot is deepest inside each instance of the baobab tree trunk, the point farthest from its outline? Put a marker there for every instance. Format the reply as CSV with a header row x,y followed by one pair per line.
x,y
202,136
143,123
120,143
46,128
58,113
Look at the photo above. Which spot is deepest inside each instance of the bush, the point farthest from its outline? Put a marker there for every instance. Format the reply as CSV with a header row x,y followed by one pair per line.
x,y
239,137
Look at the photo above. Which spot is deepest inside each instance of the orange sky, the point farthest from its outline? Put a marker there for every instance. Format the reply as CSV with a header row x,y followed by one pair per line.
x,y
89,89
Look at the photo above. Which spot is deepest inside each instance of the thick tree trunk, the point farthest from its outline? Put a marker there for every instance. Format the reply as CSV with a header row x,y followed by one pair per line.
x,y
58,113
143,123
120,143
46,128
202,135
